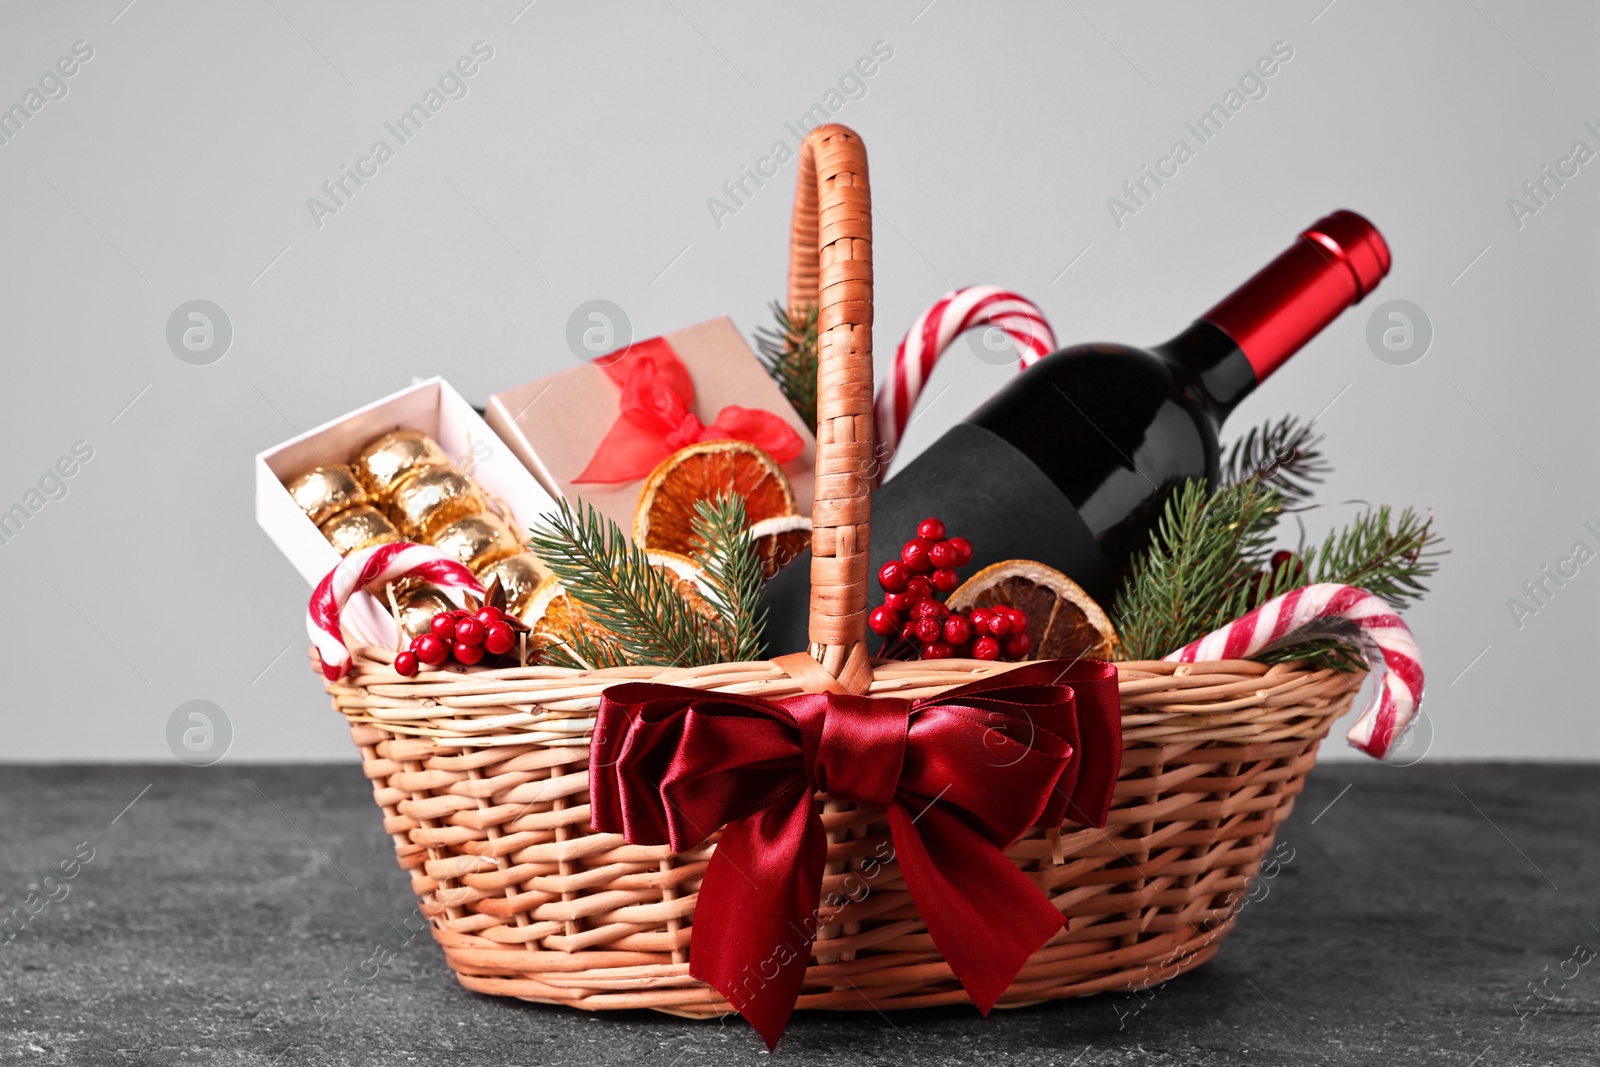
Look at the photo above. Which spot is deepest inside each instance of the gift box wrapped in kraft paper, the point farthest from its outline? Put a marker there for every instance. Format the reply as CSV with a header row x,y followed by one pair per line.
x,y
596,430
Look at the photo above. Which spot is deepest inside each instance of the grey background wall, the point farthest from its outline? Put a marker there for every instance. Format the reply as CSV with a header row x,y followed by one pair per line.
x,y
579,165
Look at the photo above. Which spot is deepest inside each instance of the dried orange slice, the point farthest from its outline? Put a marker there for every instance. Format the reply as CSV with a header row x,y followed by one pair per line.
x,y
552,615
1064,622
664,517
780,540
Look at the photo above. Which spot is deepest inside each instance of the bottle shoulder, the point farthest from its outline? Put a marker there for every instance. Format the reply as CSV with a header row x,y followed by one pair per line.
x,y
1116,382
1108,422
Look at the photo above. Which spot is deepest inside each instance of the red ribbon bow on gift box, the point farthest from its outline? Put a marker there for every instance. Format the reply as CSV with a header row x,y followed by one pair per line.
x,y
656,417
960,775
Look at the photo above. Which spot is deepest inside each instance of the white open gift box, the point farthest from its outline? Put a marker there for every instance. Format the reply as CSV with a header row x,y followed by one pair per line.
x,y
431,406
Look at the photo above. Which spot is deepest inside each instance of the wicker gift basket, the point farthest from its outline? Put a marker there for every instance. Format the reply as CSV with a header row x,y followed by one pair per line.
x,y
482,774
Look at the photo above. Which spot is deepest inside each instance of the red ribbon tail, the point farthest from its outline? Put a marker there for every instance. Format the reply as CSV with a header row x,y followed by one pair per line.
x,y
983,913
1099,711
756,917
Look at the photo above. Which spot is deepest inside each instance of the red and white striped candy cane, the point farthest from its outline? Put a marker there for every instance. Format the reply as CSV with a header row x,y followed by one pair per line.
x,y
1341,611
374,566
935,328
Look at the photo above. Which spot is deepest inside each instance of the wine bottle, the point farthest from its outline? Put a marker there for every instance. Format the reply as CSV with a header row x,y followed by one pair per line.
x,y
1071,463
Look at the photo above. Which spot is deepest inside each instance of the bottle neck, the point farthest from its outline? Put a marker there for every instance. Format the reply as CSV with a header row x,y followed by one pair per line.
x,y
1331,266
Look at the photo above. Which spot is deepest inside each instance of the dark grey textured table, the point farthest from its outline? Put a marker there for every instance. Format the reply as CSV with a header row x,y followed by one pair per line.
x,y
234,915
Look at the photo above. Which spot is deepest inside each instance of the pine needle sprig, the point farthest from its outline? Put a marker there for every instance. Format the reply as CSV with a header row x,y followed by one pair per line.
x,y
1285,454
646,619
1202,563
789,350
1206,566
1391,556
733,568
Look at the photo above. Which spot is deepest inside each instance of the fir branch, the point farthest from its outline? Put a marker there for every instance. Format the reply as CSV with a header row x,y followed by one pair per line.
x,y
1205,567
1390,556
645,618
1285,454
789,351
1391,563
1203,562
733,568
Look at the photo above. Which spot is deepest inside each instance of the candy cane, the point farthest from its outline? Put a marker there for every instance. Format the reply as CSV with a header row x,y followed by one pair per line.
x,y
374,566
935,328
1343,611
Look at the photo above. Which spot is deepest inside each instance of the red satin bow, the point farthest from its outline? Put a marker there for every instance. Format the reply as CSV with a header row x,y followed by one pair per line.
x,y
656,417
960,776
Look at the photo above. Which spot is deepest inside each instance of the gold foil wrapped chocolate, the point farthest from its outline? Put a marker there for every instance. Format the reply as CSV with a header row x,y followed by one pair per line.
x,y
519,575
358,527
419,603
478,540
323,492
383,463
428,500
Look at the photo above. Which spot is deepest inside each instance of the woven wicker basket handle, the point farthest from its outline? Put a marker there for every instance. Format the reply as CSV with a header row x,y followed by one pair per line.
x,y
830,266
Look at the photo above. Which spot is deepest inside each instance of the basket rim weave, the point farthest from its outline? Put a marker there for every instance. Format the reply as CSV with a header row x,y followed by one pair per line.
x,y
451,705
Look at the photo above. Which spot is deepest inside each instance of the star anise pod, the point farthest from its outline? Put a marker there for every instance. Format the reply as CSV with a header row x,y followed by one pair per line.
x,y
495,597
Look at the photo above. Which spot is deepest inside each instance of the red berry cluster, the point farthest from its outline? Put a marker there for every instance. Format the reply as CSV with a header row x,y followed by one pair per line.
x,y
914,617
463,635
